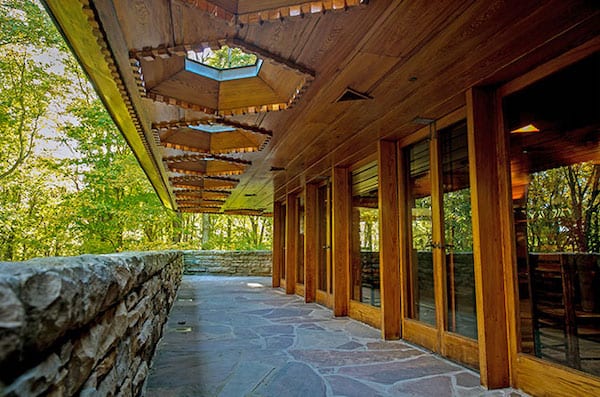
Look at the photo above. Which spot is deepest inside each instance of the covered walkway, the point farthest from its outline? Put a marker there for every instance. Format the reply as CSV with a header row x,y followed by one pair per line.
x,y
239,337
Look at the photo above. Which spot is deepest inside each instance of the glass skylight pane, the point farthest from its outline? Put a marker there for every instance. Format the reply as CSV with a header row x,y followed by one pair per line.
x,y
224,58
222,74
212,128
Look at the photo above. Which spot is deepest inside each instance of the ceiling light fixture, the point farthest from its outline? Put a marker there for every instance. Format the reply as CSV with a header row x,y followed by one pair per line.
x,y
526,128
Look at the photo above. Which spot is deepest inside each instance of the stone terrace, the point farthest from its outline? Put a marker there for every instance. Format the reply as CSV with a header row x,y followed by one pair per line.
x,y
239,337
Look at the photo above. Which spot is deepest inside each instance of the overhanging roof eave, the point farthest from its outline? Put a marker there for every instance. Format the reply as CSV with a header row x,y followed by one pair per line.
x,y
75,21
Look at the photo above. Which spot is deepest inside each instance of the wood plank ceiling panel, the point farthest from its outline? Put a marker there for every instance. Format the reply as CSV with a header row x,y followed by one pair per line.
x,y
466,63
411,57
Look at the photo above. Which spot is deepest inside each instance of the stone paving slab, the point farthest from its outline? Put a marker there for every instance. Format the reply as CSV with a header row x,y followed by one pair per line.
x,y
236,336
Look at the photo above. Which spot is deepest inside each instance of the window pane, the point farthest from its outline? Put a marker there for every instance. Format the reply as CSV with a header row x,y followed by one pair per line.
x,y
422,302
283,239
555,171
300,253
324,245
365,232
458,232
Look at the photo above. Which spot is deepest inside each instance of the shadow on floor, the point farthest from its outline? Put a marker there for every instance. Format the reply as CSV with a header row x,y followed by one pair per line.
x,y
237,336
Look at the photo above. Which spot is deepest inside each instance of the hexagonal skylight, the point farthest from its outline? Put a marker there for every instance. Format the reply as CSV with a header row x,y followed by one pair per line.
x,y
178,77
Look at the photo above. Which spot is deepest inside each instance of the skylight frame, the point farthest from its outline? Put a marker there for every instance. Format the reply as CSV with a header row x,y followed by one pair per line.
x,y
220,75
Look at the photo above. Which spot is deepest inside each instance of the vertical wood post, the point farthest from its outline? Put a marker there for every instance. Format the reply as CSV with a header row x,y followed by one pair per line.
x,y
291,237
437,236
311,242
341,198
277,244
389,253
487,189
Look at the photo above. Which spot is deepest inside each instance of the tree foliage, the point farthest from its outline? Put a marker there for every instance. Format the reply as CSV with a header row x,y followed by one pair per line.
x,y
30,78
563,209
228,57
69,184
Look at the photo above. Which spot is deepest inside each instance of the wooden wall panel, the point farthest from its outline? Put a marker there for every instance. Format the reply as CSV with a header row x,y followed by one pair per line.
x,y
311,242
365,313
557,381
389,250
487,239
341,240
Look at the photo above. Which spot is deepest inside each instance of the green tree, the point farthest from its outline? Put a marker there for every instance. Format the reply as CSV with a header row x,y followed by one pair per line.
x,y
563,206
30,78
96,199
227,58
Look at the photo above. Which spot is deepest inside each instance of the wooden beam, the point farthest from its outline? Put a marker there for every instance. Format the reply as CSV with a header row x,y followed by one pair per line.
x,y
341,240
277,243
486,189
389,252
311,241
291,238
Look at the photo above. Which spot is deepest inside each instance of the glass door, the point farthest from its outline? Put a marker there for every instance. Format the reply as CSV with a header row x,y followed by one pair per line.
x,y
441,309
283,244
300,246
324,271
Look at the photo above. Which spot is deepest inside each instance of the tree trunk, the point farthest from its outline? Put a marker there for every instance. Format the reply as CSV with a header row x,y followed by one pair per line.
x,y
206,230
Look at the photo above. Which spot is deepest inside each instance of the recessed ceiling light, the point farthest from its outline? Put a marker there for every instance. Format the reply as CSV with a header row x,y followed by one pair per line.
x,y
526,128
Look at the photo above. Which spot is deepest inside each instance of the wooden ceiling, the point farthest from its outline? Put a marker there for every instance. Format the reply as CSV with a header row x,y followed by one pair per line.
x,y
408,58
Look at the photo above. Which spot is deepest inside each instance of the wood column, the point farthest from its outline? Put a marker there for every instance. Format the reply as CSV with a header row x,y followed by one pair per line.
x,y
311,242
291,237
277,244
486,191
341,198
389,253
438,251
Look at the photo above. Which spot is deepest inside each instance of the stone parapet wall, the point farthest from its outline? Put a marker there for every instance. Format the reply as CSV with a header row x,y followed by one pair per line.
x,y
230,263
84,325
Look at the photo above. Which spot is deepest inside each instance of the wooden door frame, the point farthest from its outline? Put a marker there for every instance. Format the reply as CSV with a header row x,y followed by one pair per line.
x,y
435,338
324,297
311,242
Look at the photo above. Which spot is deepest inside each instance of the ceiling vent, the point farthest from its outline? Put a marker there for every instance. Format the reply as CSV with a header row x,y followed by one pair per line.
x,y
351,95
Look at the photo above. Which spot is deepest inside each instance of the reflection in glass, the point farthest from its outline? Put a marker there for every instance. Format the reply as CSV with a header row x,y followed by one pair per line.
x,y
555,173
420,286
324,243
365,236
283,239
300,253
458,232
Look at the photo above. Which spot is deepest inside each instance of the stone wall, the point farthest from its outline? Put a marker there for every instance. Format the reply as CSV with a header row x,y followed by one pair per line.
x,y
229,263
85,325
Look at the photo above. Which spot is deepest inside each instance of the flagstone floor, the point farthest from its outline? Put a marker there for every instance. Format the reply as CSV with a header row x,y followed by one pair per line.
x,y
236,336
